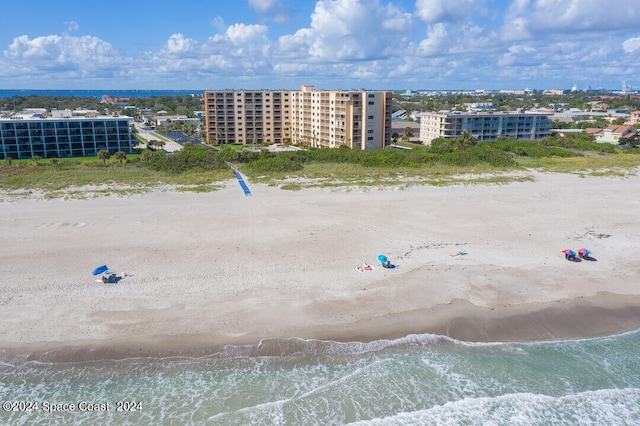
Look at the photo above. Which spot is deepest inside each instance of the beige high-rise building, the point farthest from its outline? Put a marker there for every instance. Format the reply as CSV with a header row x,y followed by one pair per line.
x,y
310,117
247,117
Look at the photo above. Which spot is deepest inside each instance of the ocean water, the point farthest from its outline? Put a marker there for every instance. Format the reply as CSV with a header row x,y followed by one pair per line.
x,y
417,380
97,93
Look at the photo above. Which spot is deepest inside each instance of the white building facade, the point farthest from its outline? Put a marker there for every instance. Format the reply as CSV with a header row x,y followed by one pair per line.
x,y
484,126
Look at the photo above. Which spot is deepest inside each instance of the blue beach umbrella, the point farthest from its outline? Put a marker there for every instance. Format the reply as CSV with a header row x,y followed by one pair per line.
x,y
382,258
101,270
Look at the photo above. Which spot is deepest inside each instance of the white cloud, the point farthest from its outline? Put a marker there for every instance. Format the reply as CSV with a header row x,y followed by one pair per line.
x,y
592,18
275,9
62,50
242,50
435,11
631,45
264,6
72,26
180,45
350,30
241,34
437,41
218,24
359,43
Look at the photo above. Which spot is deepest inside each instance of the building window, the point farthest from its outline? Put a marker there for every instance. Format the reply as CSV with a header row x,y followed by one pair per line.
x,y
371,95
370,102
370,138
370,117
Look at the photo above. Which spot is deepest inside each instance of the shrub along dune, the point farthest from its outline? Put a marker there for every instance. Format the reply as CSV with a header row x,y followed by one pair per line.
x,y
196,168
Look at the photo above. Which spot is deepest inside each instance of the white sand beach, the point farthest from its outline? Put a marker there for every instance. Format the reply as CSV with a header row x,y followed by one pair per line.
x,y
205,270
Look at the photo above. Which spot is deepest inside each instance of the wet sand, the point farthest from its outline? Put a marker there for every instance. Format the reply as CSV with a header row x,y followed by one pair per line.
x,y
208,270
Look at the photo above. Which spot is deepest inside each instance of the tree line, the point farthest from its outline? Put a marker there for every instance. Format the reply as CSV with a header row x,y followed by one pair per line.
x,y
174,105
463,151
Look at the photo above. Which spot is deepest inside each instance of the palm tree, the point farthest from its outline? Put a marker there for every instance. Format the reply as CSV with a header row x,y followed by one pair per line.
x,y
407,133
104,155
394,137
467,140
120,156
188,129
251,135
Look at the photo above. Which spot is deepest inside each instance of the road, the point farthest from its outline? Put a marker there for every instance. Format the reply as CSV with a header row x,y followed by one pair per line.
x,y
173,140
169,145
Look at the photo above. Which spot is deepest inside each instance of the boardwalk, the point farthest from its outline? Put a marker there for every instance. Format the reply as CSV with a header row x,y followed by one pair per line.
x,y
241,181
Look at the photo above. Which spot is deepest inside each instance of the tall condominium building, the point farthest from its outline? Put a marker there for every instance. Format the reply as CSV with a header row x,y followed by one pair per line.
x,y
484,126
62,135
247,117
318,118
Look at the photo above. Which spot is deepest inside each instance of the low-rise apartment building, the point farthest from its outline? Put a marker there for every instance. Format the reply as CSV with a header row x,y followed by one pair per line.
x,y
484,126
60,134
310,117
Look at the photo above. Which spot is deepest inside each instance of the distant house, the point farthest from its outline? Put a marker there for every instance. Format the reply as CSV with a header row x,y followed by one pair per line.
x,y
398,114
114,100
168,119
613,133
399,126
634,118
146,115
593,131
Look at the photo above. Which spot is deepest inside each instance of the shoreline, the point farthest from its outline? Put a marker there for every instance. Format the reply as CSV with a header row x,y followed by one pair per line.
x,y
584,318
216,269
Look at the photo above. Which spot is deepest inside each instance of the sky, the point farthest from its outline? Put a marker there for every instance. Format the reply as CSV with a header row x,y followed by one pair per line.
x,y
331,44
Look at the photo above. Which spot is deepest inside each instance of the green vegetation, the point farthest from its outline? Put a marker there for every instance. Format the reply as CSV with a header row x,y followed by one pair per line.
x,y
510,102
198,169
182,105
18,103
60,177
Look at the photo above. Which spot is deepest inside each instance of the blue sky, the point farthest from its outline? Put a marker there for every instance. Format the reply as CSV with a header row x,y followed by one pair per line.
x,y
282,44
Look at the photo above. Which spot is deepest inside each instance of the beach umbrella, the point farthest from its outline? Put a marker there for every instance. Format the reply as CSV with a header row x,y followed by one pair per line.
x,y
101,270
568,252
583,251
382,258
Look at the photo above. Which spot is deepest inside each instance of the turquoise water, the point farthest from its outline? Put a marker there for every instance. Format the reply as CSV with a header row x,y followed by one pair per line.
x,y
422,379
